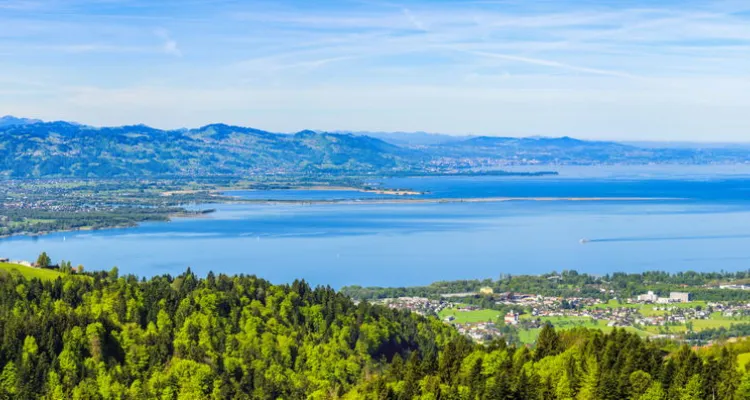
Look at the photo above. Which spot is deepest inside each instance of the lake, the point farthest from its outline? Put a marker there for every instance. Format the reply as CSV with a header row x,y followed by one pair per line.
x,y
701,222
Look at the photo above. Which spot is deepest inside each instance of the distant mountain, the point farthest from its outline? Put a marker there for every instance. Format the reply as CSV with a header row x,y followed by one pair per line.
x,y
569,151
690,145
11,120
64,149
414,138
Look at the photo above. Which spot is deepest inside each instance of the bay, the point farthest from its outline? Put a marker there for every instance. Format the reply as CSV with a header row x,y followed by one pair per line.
x,y
701,222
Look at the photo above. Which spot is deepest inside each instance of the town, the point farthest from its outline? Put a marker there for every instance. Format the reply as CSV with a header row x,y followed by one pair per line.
x,y
519,316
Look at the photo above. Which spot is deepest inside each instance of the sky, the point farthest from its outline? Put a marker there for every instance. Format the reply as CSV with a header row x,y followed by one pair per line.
x,y
606,69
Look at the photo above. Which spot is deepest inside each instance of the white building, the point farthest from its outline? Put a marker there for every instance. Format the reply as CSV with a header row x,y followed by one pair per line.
x,y
679,297
650,296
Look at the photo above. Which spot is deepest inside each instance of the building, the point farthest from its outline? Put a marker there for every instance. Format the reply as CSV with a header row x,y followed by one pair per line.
x,y
511,318
649,297
679,297
735,287
486,291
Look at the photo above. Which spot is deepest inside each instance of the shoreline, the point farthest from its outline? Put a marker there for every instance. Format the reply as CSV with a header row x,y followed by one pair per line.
x,y
81,229
327,188
120,226
219,192
445,200
391,192
271,202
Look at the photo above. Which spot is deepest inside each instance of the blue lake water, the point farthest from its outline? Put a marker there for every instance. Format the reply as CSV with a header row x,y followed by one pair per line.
x,y
706,227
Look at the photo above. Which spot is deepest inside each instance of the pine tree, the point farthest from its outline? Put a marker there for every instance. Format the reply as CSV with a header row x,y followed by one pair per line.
x,y
640,382
590,382
563,391
693,390
548,343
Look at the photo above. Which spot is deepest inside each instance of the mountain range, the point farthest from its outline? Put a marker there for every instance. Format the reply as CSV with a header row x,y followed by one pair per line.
x,y
33,148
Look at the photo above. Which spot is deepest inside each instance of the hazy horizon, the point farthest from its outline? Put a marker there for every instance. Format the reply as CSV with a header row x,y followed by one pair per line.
x,y
467,135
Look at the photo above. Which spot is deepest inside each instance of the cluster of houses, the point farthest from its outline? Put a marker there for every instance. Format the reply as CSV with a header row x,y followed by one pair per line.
x,y
47,205
661,320
419,305
730,310
25,263
622,316
480,331
451,164
17,262
666,310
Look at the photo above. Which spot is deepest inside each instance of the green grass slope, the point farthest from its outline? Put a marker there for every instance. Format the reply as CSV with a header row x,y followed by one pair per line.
x,y
29,272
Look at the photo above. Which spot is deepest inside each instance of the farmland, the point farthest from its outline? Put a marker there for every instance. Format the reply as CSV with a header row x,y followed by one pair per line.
x,y
471,316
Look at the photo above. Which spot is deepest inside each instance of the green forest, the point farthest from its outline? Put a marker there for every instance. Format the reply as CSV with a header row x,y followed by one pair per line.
x,y
103,336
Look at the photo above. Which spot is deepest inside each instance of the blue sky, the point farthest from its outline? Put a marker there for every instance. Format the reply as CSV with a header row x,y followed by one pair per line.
x,y
632,70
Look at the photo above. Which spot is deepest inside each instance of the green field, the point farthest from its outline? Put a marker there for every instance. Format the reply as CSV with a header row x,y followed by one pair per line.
x,y
529,336
571,322
648,309
713,323
698,325
29,272
463,317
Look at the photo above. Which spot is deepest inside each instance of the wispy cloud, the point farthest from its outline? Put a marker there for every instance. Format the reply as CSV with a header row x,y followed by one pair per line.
x,y
553,64
636,52
413,19
170,45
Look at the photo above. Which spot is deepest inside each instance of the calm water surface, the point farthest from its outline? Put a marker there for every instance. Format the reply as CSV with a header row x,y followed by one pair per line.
x,y
708,228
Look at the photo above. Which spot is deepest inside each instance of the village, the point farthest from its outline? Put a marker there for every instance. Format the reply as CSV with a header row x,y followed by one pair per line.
x,y
648,314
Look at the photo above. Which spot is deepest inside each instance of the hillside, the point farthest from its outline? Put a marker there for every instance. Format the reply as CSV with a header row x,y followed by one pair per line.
x,y
64,149
240,337
29,272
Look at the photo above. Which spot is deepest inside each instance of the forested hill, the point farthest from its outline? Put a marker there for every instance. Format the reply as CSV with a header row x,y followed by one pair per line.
x,y
31,148
65,149
101,336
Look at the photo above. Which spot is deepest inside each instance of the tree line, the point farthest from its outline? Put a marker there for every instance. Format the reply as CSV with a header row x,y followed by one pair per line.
x,y
571,283
104,336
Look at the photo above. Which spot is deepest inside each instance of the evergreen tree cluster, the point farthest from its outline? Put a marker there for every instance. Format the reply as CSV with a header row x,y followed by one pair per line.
x,y
106,336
